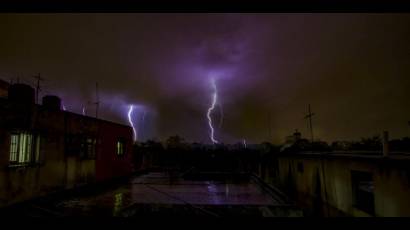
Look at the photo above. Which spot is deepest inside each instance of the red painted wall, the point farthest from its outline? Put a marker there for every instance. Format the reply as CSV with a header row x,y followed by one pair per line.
x,y
108,163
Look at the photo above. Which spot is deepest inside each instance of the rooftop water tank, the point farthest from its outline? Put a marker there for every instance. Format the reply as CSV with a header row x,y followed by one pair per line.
x,y
52,102
21,93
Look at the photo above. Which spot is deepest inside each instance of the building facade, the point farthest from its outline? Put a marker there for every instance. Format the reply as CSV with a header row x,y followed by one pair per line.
x,y
44,149
344,184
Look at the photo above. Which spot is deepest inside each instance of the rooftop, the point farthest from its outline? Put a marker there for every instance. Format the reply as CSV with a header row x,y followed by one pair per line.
x,y
159,194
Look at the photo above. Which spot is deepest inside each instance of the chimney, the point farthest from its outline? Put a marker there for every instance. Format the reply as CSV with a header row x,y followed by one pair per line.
x,y
385,142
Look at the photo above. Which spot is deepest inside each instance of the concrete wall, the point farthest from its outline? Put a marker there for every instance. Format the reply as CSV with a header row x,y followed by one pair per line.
x,y
325,182
57,169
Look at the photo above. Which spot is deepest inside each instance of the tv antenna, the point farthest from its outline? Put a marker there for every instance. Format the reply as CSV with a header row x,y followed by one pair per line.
x,y
38,87
309,116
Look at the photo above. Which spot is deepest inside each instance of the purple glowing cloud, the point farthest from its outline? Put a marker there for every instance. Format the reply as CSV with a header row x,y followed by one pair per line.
x,y
263,64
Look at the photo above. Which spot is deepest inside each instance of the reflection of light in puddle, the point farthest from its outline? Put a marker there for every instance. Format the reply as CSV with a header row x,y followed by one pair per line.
x,y
70,203
74,203
213,191
117,203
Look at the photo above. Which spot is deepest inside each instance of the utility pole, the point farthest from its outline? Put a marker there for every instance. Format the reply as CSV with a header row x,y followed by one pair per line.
x,y
38,88
309,116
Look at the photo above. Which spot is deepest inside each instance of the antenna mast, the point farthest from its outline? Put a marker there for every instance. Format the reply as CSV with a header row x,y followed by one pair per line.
x,y
38,88
309,116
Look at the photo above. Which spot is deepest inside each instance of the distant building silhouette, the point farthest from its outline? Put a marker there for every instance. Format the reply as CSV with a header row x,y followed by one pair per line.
x,y
4,89
294,138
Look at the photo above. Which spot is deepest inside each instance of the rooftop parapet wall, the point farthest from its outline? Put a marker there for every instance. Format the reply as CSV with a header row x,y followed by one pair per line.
x,y
330,177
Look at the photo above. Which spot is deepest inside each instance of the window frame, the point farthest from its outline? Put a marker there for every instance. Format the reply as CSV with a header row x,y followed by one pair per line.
x,y
88,147
91,147
24,148
120,147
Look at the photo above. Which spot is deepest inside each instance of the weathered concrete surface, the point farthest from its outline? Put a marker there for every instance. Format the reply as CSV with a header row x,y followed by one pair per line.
x,y
327,178
159,194
62,163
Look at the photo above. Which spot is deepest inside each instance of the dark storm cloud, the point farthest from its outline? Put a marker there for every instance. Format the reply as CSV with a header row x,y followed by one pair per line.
x,y
352,68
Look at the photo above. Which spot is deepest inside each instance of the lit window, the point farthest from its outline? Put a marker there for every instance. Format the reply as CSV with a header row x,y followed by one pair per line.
x,y
14,147
120,147
23,148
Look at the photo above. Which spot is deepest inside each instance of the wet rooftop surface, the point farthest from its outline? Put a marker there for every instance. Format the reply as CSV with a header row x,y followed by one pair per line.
x,y
161,194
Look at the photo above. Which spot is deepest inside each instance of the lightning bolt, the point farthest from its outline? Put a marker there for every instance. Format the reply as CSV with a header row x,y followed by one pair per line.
x,y
131,108
64,107
244,143
83,110
214,100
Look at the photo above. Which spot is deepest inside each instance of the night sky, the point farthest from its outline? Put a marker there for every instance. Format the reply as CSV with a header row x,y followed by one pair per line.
x,y
354,70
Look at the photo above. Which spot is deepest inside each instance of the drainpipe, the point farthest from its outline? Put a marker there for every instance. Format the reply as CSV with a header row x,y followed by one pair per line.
x,y
385,142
